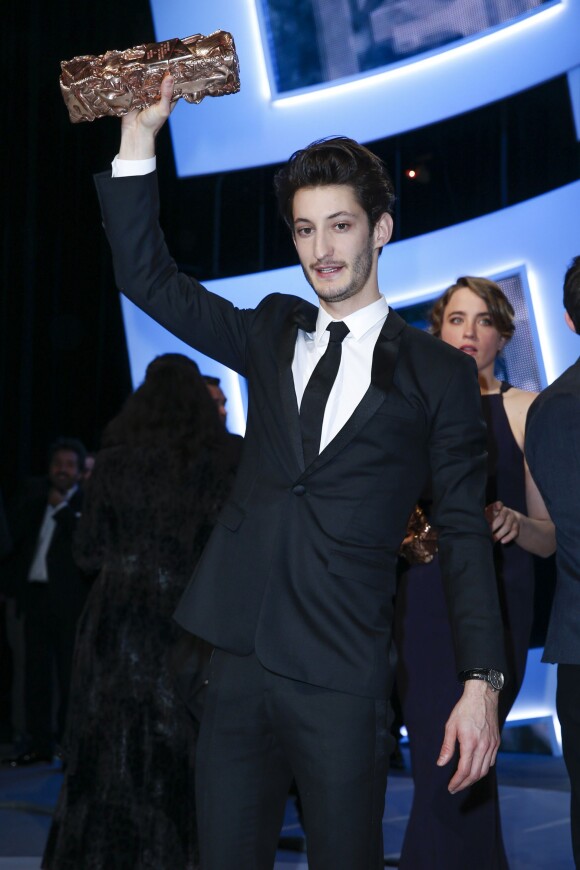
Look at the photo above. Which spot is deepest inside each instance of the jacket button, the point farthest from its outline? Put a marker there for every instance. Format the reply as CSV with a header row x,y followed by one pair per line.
x,y
299,489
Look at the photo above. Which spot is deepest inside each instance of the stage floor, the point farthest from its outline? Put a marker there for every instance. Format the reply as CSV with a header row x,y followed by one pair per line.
x,y
534,791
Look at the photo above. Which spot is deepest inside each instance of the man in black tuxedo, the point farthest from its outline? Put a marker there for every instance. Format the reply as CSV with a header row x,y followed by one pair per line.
x,y
349,412
50,591
553,455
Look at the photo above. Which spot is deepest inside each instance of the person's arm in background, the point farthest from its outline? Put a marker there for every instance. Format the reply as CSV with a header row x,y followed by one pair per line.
x,y
535,530
553,453
144,269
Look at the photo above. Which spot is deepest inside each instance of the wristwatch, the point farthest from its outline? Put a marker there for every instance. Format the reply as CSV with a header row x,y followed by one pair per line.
x,y
490,675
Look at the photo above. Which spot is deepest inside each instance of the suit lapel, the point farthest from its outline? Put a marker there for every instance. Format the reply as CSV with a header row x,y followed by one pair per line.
x,y
382,372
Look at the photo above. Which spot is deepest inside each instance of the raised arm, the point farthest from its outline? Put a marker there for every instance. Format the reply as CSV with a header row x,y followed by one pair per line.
x,y
144,269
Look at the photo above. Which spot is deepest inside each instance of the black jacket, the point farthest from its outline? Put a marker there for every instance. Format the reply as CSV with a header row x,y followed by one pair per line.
x,y
67,585
301,565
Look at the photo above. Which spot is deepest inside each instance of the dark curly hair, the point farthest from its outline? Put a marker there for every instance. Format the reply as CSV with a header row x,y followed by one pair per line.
x,y
500,308
336,160
171,409
172,422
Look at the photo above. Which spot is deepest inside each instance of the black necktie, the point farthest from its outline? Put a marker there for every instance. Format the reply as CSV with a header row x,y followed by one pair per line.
x,y
318,390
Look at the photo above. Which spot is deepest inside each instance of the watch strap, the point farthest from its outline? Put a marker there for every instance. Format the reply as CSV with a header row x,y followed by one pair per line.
x,y
474,674
495,679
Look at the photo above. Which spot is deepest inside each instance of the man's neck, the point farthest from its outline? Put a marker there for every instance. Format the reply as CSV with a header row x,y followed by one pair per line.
x,y
341,309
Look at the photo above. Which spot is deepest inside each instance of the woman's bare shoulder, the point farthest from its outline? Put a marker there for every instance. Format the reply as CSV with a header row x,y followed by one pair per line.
x,y
520,399
517,403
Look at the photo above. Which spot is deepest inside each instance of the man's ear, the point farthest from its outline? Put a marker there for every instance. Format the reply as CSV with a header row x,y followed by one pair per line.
x,y
383,230
569,322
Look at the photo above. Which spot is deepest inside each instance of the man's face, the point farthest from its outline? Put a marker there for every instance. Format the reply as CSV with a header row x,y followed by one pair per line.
x,y
217,395
63,470
337,252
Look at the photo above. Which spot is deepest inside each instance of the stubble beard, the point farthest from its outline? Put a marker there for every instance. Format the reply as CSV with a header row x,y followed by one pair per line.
x,y
361,270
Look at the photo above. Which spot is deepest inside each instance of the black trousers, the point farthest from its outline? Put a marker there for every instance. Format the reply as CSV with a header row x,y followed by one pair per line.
x,y
49,637
258,731
568,707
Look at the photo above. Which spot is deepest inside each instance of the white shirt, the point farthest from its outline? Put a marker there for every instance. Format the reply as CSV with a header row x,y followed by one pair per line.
x,y
354,374
38,572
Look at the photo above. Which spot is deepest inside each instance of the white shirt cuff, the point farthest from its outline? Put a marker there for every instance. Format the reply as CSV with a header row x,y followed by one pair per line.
x,y
123,168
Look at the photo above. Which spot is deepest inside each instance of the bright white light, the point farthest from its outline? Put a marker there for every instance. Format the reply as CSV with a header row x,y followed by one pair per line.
x,y
525,713
233,391
546,342
558,730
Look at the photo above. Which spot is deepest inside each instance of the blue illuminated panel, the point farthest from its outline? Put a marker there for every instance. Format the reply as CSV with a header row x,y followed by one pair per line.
x,y
317,41
259,126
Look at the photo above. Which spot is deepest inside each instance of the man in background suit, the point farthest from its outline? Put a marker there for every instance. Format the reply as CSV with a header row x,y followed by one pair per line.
x,y
50,592
295,587
553,455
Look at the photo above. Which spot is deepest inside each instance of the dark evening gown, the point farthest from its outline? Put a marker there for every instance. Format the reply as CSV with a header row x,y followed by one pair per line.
x,y
127,800
456,832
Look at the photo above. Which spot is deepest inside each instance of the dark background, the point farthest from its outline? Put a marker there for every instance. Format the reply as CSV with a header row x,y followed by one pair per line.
x,y
63,360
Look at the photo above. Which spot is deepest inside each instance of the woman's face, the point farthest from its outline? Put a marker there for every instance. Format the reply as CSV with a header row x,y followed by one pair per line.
x,y
467,325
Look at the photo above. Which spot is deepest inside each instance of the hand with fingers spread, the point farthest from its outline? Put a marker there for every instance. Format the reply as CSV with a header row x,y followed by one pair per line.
x,y
473,724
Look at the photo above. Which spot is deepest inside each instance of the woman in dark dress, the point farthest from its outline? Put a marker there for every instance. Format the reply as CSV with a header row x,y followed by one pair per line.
x,y
127,800
463,831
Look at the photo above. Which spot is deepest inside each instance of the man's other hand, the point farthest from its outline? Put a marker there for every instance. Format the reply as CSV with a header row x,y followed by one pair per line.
x,y
473,724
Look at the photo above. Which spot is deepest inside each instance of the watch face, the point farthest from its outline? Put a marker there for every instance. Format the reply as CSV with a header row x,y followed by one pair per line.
x,y
496,679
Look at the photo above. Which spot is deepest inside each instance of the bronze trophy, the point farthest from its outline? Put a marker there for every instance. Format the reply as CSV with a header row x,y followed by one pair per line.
x,y
118,81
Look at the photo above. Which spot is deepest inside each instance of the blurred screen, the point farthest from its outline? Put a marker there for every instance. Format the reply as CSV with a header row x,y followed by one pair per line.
x,y
316,41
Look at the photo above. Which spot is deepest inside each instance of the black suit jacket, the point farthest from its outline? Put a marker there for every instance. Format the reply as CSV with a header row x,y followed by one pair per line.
x,y
553,455
301,565
67,585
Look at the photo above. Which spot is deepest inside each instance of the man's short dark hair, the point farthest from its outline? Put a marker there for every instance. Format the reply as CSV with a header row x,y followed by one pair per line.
x,y
572,292
72,444
211,380
336,160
